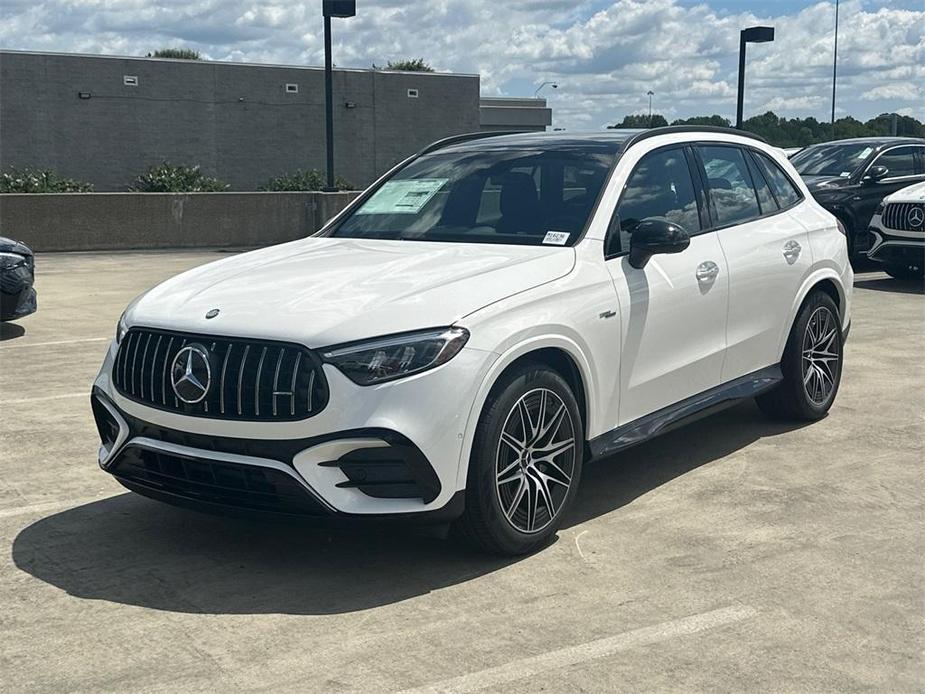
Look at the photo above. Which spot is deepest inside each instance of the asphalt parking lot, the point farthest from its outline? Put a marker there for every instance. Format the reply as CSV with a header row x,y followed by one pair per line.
x,y
735,554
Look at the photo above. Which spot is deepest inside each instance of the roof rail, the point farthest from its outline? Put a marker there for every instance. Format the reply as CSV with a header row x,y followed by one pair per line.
x,y
465,137
672,129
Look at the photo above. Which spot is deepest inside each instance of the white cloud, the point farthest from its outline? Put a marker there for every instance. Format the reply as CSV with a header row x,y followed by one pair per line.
x,y
605,56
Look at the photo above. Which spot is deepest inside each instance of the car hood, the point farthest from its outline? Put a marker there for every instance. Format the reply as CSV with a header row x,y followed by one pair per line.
x,y
325,291
914,193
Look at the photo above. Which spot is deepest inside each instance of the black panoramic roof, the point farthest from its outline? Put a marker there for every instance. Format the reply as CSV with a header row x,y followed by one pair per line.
x,y
612,140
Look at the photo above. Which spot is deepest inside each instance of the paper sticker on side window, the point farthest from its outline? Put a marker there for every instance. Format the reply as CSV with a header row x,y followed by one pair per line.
x,y
402,197
556,238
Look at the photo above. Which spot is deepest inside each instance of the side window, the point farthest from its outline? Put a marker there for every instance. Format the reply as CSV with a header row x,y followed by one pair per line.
x,y
765,196
660,186
899,160
729,183
785,192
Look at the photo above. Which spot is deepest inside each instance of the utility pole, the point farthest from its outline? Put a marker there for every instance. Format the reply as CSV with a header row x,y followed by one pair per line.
x,y
650,93
746,36
331,8
834,69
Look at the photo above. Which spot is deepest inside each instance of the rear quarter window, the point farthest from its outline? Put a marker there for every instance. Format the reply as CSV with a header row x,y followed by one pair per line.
x,y
784,189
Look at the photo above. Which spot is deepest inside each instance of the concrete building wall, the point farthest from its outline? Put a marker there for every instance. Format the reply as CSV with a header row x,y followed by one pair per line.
x,y
236,121
510,113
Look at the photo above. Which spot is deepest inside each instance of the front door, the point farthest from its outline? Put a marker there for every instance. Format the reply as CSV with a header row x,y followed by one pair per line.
x,y
674,309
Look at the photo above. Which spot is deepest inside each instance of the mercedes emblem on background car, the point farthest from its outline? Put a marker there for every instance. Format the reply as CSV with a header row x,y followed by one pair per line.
x,y
191,374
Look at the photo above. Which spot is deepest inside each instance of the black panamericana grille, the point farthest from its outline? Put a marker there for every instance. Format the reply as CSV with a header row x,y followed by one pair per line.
x,y
904,216
251,380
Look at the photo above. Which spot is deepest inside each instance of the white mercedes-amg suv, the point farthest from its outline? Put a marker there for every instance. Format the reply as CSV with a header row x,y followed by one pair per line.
x,y
490,315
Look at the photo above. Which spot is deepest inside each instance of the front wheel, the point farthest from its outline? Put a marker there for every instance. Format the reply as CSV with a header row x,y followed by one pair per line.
x,y
811,365
525,463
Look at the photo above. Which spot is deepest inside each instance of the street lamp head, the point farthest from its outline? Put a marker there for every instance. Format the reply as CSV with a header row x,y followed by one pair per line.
x,y
650,93
758,34
339,8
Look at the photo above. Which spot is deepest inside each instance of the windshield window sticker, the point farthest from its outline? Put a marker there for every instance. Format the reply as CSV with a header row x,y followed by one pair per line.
x,y
403,197
864,152
556,238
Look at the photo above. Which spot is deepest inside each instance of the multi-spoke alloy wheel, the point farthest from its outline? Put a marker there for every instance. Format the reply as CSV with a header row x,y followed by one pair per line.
x,y
525,464
810,364
535,460
820,355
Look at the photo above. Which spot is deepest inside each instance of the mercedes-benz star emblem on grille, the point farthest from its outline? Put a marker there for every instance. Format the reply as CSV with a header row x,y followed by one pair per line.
x,y
916,216
212,313
191,374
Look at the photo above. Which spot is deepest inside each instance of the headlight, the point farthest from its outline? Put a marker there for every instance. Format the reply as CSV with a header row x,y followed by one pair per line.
x,y
388,358
121,329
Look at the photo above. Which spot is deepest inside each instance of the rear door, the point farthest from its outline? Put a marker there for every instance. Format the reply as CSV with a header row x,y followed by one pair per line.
x,y
752,205
674,309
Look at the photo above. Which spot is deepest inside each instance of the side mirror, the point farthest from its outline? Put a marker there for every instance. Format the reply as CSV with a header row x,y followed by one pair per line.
x,y
654,236
875,173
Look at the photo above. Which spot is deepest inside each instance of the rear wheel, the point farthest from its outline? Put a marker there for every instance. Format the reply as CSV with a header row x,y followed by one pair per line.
x,y
811,365
525,463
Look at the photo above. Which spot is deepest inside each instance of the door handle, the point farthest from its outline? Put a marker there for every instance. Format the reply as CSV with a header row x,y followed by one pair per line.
x,y
707,271
792,251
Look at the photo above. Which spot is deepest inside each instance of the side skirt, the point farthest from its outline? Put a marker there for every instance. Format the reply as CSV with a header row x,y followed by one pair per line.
x,y
686,411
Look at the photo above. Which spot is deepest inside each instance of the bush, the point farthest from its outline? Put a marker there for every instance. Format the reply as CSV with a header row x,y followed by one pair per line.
x,y
311,180
39,181
167,178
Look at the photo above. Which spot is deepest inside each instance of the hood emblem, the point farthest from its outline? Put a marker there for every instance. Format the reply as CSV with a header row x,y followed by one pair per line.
x,y
191,374
212,313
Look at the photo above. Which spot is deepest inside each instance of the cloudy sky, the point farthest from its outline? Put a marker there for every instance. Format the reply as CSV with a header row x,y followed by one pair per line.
x,y
605,54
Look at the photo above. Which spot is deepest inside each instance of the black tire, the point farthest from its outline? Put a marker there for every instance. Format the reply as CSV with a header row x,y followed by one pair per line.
x,y
794,399
905,272
484,523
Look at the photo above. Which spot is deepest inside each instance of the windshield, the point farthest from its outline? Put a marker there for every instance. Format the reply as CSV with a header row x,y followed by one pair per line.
x,y
524,197
831,160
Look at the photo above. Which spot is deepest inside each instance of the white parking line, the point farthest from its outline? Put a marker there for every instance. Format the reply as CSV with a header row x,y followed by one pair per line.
x,y
581,653
55,342
19,401
48,506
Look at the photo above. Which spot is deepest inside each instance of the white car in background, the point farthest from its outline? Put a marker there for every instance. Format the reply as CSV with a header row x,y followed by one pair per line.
x,y
489,316
897,233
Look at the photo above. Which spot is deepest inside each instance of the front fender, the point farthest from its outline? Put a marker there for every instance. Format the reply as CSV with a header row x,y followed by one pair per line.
x,y
511,354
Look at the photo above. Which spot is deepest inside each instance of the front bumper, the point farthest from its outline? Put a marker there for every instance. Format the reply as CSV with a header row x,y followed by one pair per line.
x,y
17,295
896,247
392,450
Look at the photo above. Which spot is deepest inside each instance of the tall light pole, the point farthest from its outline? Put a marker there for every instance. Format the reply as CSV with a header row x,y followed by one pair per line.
x,y
750,35
650,94
536,94
834,69
331,8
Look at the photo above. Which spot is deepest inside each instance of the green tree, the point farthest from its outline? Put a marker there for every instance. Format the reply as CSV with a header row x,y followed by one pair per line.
x,y
714,120
641,121
176,54
410,65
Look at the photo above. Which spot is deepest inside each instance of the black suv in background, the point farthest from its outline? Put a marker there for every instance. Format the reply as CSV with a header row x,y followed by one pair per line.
x,y
850,177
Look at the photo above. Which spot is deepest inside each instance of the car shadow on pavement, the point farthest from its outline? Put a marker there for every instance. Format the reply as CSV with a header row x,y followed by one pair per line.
x,y
10,331
127,549
888,284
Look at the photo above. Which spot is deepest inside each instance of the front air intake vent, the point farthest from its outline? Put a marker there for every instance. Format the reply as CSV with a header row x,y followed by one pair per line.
x,y
220,377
